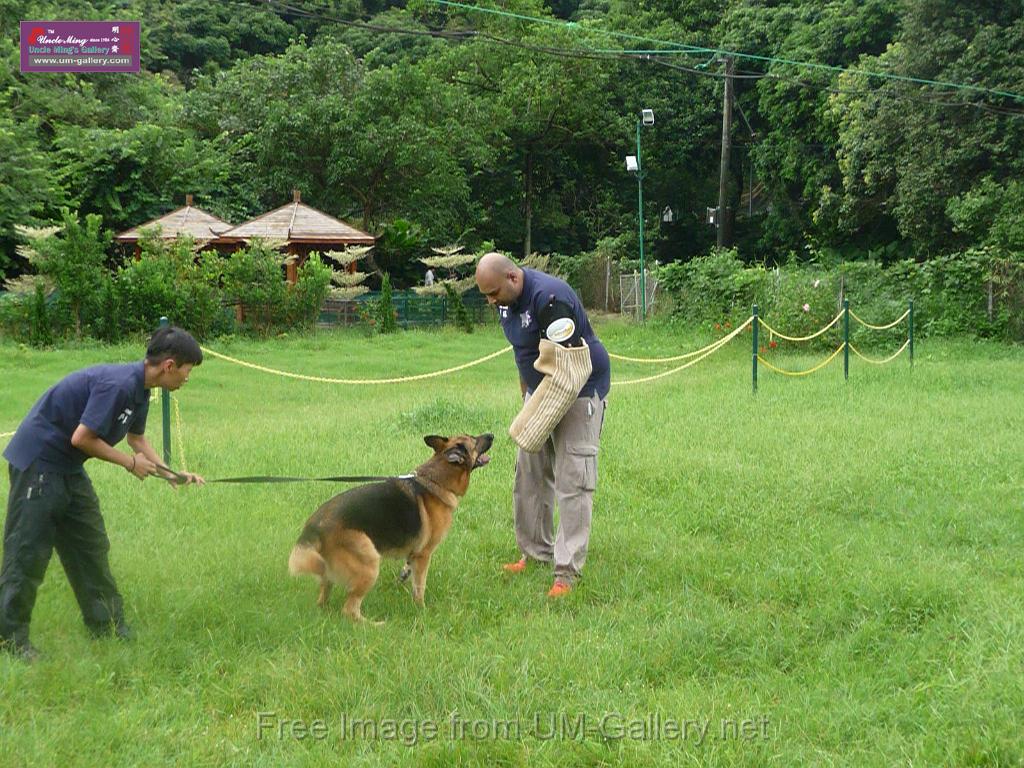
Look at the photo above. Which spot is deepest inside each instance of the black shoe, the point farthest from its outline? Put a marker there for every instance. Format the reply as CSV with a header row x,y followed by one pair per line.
x,y
121,630
24,651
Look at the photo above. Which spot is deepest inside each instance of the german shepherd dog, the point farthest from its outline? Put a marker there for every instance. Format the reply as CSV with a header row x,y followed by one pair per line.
x,y
408,516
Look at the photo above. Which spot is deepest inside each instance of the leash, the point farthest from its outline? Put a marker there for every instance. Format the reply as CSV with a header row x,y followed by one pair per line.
x,y
177,478
280,479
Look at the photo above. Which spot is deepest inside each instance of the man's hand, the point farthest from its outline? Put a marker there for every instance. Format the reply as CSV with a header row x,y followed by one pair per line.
x,y
141,466
191,479
178,478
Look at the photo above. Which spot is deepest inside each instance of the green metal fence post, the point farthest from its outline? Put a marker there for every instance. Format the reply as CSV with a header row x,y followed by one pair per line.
x,y
165,402
754,328
911,333
846,339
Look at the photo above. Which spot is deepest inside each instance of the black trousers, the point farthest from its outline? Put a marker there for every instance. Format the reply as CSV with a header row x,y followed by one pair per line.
x,y
47,510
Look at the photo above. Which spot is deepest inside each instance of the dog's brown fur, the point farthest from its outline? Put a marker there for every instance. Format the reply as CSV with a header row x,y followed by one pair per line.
x,y
345,539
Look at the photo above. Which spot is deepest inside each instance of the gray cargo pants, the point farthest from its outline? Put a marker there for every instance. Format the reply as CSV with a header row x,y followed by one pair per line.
x,y
563,472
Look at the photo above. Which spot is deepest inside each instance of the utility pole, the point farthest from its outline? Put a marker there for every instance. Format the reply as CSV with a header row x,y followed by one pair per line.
x,y
723,220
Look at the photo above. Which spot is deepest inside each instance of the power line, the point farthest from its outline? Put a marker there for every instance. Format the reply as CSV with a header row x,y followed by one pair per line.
x,y
293,9
677,48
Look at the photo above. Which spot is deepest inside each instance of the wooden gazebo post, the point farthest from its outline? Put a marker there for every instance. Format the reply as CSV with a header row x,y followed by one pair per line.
x,y
292,269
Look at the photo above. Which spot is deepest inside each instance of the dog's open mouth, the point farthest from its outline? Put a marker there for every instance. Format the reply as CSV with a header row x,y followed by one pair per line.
x,y
482,459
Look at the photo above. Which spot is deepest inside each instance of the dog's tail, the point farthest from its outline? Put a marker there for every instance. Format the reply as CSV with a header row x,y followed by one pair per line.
x,y
306,557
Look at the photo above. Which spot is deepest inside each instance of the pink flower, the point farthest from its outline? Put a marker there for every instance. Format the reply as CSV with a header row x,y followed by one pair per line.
x,y
807,307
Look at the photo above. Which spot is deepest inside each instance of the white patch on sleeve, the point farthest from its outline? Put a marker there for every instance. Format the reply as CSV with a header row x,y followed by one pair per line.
x,y
561,329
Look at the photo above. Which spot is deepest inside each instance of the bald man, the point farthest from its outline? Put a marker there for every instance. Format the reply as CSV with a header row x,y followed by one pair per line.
x,y
534,306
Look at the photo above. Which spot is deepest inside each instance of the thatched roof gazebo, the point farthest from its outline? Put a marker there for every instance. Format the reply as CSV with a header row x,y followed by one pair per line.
x,y
302,228
201,226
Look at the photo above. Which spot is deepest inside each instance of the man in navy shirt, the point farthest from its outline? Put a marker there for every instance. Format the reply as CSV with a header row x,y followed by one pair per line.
x,y
52,502
534,306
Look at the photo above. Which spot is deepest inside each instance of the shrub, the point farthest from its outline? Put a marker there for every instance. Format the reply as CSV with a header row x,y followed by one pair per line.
x,y
951,294
307,296
254,279
384,310
459,311
716,288
72,258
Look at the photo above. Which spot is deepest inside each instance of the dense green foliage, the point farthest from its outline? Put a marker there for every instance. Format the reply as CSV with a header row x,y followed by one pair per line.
x,y
950,293
514,131
384,308
460,314
200,291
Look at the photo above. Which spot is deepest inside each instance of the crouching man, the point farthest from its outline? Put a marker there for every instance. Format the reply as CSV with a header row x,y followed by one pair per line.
x,y
52,502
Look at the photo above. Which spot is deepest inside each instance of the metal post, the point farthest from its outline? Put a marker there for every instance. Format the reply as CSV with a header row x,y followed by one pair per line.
x,y
911,332
640,217
846,339
165,402
754,328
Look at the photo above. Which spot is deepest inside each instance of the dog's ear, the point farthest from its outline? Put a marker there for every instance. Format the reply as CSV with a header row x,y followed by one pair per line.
x,y
457,455
436,442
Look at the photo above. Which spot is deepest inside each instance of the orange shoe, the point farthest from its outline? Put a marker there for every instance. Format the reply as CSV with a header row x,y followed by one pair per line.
x,y
559,589
517,567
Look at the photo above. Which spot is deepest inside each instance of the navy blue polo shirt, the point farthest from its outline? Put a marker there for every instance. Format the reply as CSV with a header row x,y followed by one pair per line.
x,y
521,324
111,400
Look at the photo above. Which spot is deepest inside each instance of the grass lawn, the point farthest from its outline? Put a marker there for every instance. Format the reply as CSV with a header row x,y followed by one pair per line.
x,y
826,573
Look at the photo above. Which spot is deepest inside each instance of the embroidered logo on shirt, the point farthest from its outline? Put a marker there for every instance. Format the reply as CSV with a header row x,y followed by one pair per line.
x,y
525,319
561,330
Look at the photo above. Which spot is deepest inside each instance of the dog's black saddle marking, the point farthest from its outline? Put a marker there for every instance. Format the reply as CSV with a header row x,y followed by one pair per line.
x,y
387,512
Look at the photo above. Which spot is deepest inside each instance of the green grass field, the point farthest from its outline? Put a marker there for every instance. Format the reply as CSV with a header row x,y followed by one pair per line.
x,y
826,573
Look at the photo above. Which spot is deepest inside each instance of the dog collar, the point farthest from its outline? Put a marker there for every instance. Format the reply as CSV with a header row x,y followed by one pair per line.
x,y
443,494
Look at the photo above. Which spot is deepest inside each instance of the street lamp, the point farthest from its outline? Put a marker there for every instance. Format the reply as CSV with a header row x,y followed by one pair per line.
x,y
634,164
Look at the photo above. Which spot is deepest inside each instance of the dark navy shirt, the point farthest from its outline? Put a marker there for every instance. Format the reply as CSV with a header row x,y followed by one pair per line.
x,y
523,328
111,400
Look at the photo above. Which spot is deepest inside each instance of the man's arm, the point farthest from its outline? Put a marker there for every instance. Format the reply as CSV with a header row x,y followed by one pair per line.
x,y
140,445
89,443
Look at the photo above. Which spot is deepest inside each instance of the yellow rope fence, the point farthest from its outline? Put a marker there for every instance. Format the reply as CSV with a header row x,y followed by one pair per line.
x,y
801,373
329,380
6,434
179,431
708,350
893,324
800,338
881,362
713,345
839,349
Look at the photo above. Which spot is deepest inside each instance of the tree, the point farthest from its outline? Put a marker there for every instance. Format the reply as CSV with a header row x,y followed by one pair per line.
x,y
451,259
551,124
74,261
384,310
911,170
27,188
349,281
